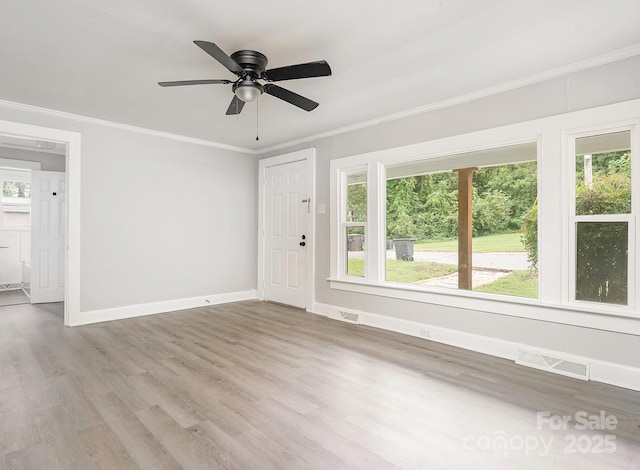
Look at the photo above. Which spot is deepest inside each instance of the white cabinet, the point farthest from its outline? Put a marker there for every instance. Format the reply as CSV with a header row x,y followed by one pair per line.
x,y
10,257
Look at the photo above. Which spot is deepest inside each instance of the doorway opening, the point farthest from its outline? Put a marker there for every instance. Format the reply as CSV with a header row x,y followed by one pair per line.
x,y
20,161
69,212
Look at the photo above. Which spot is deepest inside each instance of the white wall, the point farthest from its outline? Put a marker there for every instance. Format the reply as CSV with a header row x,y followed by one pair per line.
x,y
606,84
161,220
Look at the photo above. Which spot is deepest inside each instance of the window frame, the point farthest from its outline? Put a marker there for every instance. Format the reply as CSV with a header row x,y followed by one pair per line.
x,y
631,218
346,224
18,176
553,303
375,227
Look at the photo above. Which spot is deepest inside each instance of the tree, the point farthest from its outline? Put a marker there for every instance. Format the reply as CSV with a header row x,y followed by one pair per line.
x,y
437,206
518,182
400,203
491,213
426,206
357,202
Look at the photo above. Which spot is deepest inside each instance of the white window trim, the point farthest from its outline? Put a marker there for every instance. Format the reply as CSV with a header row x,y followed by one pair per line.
x,y
553,303
344,223
633,272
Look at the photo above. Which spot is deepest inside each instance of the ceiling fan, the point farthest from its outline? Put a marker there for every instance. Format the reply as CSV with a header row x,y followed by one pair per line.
x,y
250,66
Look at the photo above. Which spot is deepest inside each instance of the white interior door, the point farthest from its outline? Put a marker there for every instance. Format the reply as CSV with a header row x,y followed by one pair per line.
x,y
47,236
285,238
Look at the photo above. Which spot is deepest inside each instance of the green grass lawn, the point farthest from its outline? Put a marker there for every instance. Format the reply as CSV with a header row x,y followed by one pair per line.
x,y
519,283
487,244
406,271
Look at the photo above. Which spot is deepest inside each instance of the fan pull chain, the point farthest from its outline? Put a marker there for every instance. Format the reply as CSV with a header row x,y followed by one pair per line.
x,y
257,114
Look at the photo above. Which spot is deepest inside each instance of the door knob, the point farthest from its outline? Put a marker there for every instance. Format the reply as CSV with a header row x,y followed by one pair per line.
x,y
303,243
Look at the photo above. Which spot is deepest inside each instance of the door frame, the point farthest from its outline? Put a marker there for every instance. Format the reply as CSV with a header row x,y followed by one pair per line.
x,y
72,206
308,155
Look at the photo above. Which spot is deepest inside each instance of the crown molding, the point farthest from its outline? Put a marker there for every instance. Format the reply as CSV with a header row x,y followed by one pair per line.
x,y
461,99
557,72
116,125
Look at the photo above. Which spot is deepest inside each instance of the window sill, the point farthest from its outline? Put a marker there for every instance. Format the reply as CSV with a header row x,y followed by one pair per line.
x,y
617,320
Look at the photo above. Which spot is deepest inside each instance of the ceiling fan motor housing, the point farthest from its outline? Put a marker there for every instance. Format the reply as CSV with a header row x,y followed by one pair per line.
x,y
253,62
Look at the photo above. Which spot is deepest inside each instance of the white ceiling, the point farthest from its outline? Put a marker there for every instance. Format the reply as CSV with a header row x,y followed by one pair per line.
x,y
103,58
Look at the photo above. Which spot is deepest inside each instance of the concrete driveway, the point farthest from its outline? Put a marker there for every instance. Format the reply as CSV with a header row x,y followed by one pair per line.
x,y
509,261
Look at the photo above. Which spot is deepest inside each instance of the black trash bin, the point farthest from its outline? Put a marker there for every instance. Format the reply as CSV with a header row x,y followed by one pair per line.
x,y
404,248
356,242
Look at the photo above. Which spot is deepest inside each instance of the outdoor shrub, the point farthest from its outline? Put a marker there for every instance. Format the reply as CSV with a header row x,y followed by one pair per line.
x,y
491,213
529,235
601,262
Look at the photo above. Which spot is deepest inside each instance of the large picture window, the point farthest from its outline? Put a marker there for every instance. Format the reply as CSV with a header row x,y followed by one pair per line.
x,y
470,226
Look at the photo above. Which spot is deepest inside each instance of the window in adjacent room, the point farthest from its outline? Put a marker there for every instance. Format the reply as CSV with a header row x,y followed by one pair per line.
x,y
15,202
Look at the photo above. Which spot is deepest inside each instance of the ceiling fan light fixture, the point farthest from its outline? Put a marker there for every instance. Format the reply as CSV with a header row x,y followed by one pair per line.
x,y
251,66
248,90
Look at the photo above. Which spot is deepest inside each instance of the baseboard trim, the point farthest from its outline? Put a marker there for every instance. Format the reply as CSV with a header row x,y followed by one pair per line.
x,y
599,371
615,374
138,310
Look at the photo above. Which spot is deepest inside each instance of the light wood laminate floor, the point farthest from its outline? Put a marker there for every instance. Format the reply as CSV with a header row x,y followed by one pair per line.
x,y
256,385
13,297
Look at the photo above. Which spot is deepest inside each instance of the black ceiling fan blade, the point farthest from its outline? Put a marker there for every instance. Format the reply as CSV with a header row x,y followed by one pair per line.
x,y
195,82
290,97
291,72
221,56
235,107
